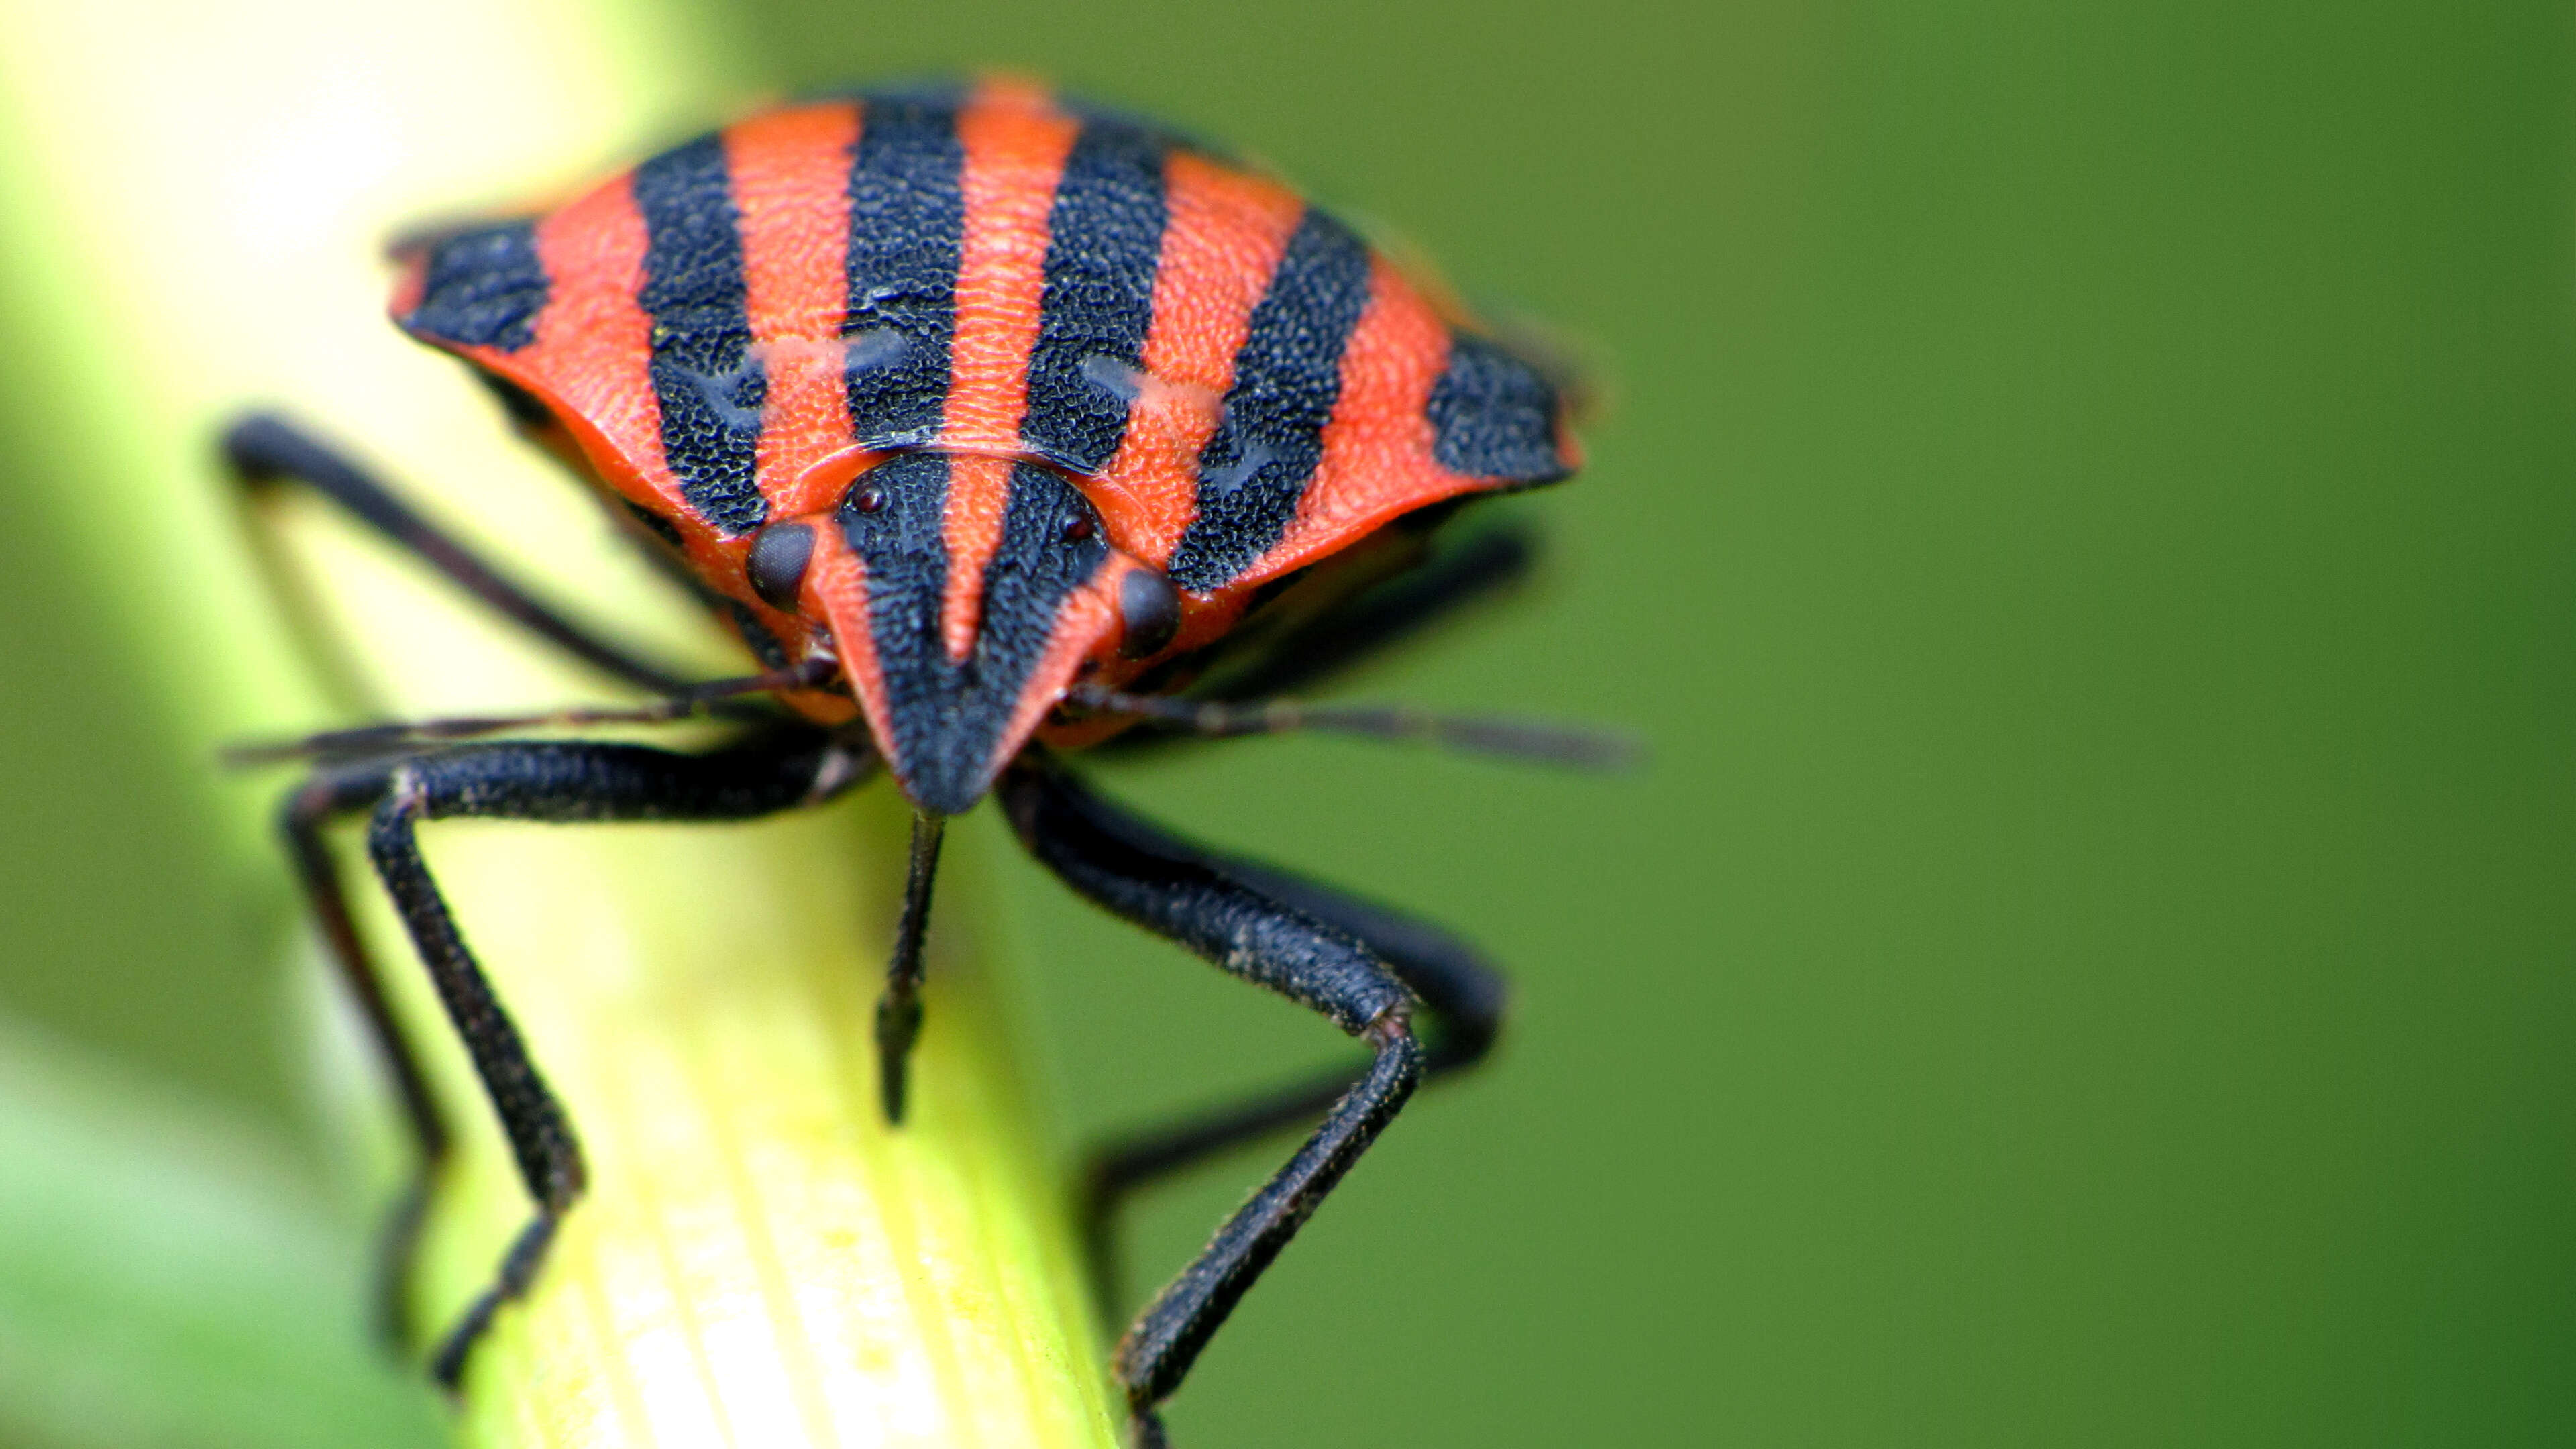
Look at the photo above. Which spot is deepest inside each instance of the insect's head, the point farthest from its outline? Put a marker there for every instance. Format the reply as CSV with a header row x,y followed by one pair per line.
x,y
963,594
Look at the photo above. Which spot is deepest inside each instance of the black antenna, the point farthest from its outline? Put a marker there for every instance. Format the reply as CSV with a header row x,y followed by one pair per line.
x,y
397,735
899,1011
1531,741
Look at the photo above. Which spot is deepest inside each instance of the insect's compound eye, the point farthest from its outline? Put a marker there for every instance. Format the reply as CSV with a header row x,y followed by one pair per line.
x,y
865,497
1075,528
1150,609
776,567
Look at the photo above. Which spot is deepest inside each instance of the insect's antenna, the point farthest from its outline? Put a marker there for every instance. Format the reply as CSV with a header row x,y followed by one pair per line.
x,y
1529,741
899,1010
396,735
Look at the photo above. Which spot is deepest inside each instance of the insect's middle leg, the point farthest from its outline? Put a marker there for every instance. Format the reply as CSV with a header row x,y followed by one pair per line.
x,y
1138,872
559,782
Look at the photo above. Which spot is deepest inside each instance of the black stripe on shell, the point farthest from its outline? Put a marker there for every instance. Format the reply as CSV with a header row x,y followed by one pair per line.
x,y
907,233
710,385
1104,246
1494,416
482,288
1287,376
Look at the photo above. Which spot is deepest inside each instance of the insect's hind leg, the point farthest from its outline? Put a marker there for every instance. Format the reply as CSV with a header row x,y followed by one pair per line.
x,y
1138,872
558,782
263,448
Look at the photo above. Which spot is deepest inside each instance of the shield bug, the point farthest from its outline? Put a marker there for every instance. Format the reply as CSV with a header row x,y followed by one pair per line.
x,y
1000,428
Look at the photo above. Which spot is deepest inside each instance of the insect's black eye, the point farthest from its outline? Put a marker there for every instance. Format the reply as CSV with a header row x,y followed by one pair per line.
x,y
1150,608
1075,528
776,567
867,498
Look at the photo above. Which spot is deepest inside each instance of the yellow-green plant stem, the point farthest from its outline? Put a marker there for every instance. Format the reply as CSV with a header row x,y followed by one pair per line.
x,y
194,199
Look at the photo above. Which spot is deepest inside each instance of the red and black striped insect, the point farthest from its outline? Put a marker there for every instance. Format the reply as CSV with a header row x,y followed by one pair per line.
x,y
998,426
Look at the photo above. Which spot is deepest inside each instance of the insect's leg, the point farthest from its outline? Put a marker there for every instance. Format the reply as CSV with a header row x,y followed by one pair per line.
x,y
1138,872
329,794
1483,566
541,1137
563,782
1465,996
1378,619
263,448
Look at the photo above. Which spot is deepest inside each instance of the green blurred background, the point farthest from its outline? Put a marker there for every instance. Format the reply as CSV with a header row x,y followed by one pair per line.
x,y
2086,518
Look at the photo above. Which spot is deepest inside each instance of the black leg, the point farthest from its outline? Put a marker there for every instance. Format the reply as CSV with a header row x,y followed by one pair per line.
x,y
1240,696
1465,996
1480,568
551,781
1378,619
541,1137
329,794
1174,890
263,448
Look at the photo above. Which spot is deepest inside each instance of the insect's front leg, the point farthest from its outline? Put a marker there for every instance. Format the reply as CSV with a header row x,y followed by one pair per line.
x,y
559,782
1465,998
539,1132
1168,887
263,449
330,794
